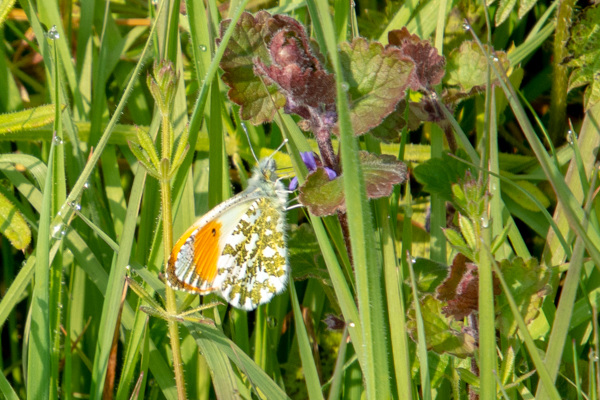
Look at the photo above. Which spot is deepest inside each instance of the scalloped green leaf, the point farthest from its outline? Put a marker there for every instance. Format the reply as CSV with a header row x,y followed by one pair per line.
x,y
467,68
377,79
438,174
429,274
529,283
27,119
443,335
247,89
323,196
13,225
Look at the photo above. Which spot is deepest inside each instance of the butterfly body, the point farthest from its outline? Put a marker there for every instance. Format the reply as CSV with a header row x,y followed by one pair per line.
x,y
238,249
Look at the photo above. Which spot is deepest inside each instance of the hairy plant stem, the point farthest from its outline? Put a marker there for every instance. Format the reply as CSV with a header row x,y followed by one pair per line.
x,y
326,149
165,190
474,326
560,77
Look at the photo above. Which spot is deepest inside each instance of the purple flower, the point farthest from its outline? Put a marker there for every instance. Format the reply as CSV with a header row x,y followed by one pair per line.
x,y
312,163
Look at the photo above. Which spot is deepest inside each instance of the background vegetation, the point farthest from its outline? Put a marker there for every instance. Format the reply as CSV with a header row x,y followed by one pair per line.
x,y
499,137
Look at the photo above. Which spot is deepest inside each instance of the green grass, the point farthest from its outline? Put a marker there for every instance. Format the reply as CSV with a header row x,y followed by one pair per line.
x,y
85,311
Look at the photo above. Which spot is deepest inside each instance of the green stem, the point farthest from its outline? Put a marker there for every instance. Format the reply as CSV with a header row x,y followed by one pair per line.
x,y
167,217
560,77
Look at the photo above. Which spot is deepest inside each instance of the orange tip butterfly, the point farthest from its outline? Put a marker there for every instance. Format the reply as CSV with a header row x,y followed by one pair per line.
x,y
239,248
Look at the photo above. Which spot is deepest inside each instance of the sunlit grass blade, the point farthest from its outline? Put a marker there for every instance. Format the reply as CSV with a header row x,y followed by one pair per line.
x,y
214,345
39,350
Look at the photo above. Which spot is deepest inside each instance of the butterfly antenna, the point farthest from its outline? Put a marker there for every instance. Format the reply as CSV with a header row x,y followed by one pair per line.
x,y
279,148
249,142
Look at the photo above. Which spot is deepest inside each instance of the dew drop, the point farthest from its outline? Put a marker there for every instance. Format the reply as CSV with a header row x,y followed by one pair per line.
x,y
57,140
484,222
86,185
466,26
75,206
351,324
345,86
570,137
58,230
53,33
202,47
272,322
493,58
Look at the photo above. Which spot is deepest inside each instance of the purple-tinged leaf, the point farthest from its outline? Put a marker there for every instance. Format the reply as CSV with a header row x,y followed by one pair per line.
x,y
320,195
390,129
381,173
461,289
443,335
308,88
429,65
325,196
377,77
246,89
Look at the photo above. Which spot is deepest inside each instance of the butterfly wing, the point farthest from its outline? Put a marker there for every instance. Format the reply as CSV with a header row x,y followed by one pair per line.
x,y
193,262
253,266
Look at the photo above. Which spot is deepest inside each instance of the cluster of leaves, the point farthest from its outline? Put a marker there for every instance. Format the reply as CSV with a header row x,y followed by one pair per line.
x,y
270,64
451,293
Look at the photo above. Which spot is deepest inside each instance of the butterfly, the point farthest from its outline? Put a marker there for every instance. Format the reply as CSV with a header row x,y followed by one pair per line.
x,y
239,248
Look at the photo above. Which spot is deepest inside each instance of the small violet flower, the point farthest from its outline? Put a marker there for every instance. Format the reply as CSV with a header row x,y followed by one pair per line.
x,y
312,163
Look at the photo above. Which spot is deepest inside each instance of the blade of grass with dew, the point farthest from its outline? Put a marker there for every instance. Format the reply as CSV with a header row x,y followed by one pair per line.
x,y
587,141
564,311
110,309
58,197
572,208
39,363
367,265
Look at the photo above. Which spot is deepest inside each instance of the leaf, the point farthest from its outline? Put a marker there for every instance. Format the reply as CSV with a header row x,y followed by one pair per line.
x,y
525,201
305,255
320,195
461,289
13,225
27,119
429,65
438,174
377,77
308,88
391,127
381,172
467,68
506,6
247,89
429,274
323,196
585,49
529,284
442,334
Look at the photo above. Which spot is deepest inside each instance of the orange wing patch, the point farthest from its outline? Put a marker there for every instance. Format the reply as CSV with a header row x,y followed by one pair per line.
x,y
206,251
206,255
